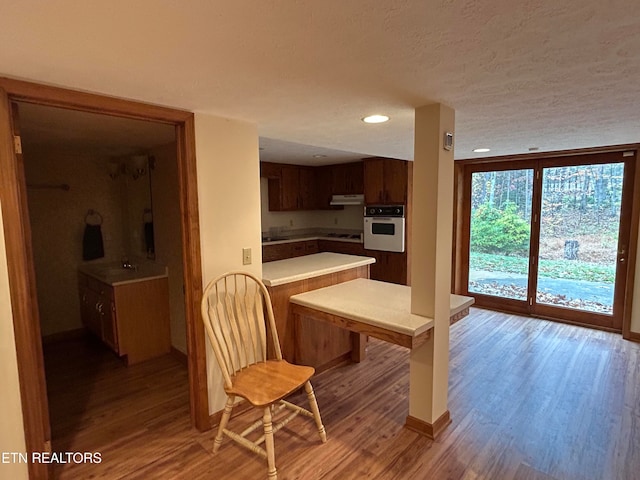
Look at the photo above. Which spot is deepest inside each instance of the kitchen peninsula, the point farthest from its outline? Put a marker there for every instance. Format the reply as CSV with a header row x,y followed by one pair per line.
x,y
382,310
306,341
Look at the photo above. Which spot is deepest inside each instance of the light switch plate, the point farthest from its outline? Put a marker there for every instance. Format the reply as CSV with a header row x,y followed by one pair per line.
x,y
246,256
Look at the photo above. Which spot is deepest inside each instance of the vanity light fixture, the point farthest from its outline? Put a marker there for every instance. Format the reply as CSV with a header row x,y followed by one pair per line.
x,y
375,119
136,166
481,150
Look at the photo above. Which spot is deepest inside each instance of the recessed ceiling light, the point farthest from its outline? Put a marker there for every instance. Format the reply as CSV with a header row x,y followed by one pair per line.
x,y
375,119
481,150
534,149
318,155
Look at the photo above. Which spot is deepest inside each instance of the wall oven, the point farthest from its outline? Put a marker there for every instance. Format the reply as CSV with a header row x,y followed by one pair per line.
x,y
384,227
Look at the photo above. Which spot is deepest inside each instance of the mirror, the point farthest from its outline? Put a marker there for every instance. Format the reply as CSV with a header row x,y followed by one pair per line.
x,y
136,204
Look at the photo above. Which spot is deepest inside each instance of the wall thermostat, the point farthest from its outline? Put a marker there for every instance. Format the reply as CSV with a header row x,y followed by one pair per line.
x,y
448,141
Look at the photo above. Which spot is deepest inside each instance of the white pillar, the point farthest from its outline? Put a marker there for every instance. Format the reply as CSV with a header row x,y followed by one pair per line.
x,y
432,223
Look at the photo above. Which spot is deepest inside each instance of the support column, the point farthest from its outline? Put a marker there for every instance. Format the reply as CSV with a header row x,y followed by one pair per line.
x,y
432,223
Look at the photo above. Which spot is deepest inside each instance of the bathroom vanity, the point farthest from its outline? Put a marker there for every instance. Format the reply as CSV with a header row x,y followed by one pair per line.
x,y
128,309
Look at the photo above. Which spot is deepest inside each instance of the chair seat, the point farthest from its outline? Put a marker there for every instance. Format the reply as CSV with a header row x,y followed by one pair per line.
x,y
267,382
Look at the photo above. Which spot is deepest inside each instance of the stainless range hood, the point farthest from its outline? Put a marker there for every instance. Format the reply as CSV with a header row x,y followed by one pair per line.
x,y
355,199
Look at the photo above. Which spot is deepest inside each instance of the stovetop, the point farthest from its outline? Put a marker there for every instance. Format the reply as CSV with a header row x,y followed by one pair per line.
x,y
344,235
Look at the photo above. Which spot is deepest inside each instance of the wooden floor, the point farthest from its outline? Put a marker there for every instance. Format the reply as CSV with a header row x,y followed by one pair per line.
x,y
529,399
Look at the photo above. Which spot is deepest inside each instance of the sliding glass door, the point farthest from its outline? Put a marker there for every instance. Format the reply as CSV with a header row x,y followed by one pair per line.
x,y
551,236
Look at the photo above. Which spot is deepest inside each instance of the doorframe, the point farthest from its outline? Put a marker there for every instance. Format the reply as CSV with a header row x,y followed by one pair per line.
x,y
22,284
460,259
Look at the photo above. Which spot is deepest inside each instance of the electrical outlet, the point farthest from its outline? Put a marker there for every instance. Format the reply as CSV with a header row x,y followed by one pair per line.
x,y
246,256
291,222
335,221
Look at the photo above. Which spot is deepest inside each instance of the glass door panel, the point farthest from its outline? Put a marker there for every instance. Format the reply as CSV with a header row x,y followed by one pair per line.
x,y
500,231
579,228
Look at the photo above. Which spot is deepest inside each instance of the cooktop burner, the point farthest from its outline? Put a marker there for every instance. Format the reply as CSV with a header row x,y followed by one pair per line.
x,y
344,235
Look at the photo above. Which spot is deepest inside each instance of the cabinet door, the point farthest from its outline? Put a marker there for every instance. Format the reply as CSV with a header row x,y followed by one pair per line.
x,y
374,181
89,301
389,267
307,189
355,177
323,182
298,249
290,187
109,324
310,247
395,182
279,251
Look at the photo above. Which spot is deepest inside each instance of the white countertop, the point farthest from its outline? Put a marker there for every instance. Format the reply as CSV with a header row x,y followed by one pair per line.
x,y
113,274
381,304
309,266
303,238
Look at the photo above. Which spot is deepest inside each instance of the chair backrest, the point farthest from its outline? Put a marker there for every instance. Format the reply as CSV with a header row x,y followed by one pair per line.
x,y
233,310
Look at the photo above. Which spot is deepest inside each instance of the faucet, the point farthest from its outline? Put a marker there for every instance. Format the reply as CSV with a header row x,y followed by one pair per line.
x,y
128,265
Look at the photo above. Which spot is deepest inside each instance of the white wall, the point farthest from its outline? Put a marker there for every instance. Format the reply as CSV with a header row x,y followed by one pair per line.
x,y
229,205
57,225
11,427
351,218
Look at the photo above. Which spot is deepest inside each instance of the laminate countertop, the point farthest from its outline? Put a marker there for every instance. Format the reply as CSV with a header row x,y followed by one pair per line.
x,y
295,269
381,304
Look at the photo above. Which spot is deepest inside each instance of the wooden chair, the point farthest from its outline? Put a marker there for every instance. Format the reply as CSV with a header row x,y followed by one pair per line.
x,y
233,307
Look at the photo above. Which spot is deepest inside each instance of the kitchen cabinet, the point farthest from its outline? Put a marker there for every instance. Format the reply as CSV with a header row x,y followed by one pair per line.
x,y
389,267
280,251
291,187
132,319
348,248
307,341
385,181
347,178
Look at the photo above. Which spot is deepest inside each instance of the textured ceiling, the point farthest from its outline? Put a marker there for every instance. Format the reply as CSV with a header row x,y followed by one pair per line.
x,y
547,74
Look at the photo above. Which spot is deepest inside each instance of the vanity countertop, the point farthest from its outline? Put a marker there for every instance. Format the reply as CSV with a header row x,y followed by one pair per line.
x,y
114,274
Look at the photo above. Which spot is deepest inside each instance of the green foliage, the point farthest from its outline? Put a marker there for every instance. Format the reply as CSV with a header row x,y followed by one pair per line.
x,y
500,231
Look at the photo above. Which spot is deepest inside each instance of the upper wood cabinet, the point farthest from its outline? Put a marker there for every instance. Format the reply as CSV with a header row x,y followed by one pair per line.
x,y
385,181
347,178
291,187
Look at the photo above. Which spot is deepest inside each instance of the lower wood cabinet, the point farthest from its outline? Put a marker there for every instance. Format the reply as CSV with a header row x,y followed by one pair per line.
x,y
307,341
132,319
280,251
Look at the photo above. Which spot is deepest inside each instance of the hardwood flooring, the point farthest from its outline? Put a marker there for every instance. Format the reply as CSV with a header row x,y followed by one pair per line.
x,y
529,399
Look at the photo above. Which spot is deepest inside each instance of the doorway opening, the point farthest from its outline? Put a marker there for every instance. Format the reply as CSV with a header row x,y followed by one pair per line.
x,y
550,237
17,235
90,173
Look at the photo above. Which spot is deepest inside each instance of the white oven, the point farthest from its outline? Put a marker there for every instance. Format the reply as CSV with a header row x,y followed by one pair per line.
x,y
384,227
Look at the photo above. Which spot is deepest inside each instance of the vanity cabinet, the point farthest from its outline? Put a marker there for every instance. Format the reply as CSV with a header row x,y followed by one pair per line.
x,y
130,318
386,181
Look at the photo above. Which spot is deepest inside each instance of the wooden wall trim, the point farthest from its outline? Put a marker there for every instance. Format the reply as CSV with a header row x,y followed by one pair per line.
x,y
429,430
20,262
633,253
90,102
552,154
22,292
196,345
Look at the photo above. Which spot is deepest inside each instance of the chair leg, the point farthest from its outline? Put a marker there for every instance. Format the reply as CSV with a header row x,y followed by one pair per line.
x,y
316,411
272,474
223,422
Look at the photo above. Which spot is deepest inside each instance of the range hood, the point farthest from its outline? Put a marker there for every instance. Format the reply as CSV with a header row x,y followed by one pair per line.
x,y
354,199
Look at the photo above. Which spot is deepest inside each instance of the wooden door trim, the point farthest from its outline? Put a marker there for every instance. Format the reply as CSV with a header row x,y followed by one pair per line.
x,y
20,263
544,159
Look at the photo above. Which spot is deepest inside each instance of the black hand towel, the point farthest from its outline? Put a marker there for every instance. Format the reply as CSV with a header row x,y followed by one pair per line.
x,y
92,246
148,237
